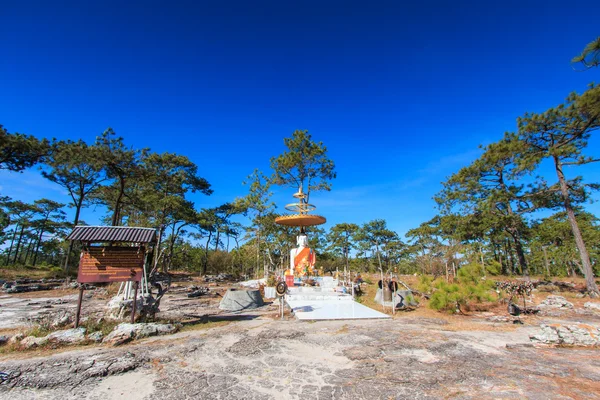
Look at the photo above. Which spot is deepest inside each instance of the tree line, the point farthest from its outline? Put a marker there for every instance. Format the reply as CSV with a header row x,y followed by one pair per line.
x,y
488,211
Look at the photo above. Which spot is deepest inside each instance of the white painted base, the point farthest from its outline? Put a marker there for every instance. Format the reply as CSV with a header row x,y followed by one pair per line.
x,y
327,304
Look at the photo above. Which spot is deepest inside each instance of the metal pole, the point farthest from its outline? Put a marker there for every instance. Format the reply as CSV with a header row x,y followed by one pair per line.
x,y
382,290
145,276
134,302
281,306
394,284
78,314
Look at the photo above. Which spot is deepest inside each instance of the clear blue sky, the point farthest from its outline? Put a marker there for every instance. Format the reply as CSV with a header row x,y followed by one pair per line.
x,y
402,93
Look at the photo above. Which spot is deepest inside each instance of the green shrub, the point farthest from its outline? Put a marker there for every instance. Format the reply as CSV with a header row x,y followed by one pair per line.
x,y
410,299
102,325
38,331
470,287
425,284
470,273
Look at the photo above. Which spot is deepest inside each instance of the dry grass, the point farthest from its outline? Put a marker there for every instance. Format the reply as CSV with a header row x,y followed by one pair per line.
x,y
13,273
203,326
470,321
46,293
344,329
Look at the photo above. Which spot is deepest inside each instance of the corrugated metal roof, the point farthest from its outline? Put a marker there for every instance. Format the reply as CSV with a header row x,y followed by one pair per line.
x,y
113,234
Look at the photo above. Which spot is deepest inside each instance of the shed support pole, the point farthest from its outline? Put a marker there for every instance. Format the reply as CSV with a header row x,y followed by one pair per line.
x,y
135,290
78,314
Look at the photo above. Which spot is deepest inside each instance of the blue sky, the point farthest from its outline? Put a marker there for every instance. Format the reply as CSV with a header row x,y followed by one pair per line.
x,y
401,94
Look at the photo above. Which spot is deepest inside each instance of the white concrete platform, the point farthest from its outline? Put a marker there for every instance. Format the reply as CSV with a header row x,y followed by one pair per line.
x,y
327,304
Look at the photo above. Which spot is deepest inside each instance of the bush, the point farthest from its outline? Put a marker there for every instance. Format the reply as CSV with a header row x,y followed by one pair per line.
x,y
448,296
410,299
471,287
425,284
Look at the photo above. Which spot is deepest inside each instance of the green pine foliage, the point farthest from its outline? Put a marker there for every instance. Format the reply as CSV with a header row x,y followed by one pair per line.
x,y
470,287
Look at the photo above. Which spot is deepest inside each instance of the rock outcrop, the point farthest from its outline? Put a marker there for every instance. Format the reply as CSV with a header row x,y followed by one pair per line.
x,y
555,303
126,332
68,336
32,341
592,306
573,335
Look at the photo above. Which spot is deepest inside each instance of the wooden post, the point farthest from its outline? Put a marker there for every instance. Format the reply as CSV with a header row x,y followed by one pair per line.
x,y
79,306
135,290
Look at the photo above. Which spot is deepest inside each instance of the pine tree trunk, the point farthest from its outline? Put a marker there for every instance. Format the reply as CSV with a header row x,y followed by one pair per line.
x,y
75,222
39,241
12,241
205,263
520,253
167,263
546,261
592,288
157,248
28,252
510,256
516,235
217,238
117,210
18,244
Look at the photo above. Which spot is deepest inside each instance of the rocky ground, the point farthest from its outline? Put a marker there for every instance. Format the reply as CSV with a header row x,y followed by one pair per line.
x,y
253,355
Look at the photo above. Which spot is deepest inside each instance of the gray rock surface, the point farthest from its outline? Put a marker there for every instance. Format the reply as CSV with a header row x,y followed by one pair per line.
x,y
68,336
499,318
574,335
62,372
96,336
16,338
592,306
126,332
342,360
32,341
554,302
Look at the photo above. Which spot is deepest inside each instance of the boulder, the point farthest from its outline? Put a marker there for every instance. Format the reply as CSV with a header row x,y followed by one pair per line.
x,y
126,332
32,341
16,338
117,308
240,299
555,303
118,337
96,336
62,318
592,306
4,339
573,335
68,336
